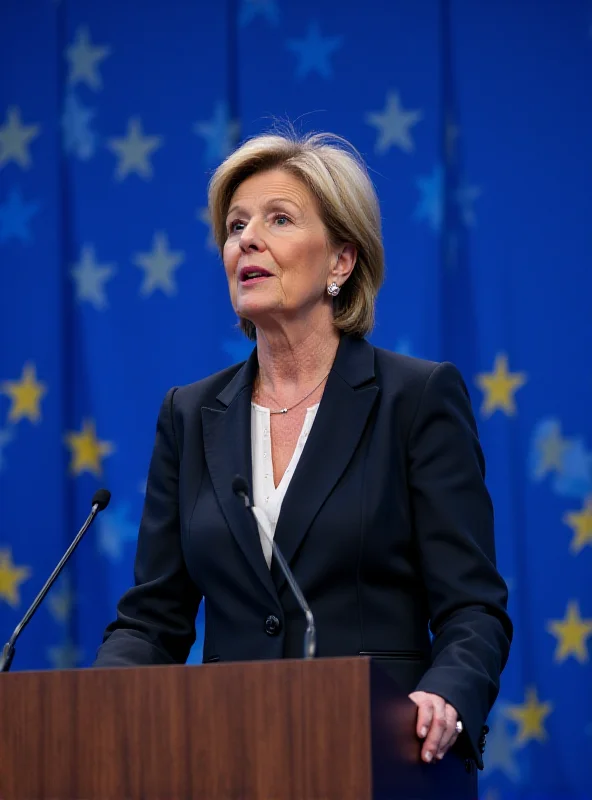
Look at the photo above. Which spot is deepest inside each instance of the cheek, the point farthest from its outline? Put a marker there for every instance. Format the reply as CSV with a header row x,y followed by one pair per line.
x,y
229,259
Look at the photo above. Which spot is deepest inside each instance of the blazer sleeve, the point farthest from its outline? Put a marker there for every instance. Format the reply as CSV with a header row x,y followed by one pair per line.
x,y
155,621
453,520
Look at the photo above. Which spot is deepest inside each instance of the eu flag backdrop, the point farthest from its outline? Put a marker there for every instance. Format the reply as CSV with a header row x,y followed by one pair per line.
x,y
476,122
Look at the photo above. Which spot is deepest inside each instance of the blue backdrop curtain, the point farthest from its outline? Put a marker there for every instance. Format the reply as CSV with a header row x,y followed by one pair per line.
x,y
476,122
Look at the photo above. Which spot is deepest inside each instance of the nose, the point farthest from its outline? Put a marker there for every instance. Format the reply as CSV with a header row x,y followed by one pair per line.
x,y
250,240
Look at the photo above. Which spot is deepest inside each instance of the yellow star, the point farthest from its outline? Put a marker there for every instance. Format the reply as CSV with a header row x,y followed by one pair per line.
x,y
551,451
499,387
571,633
87,450
26,395
531,717
581,524
10,578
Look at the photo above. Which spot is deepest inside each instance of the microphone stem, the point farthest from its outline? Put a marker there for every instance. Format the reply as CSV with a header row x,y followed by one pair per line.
x,y
8,649
310,636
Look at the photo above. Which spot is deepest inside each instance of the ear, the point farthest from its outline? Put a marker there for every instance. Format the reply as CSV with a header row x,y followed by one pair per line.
x,y
344,263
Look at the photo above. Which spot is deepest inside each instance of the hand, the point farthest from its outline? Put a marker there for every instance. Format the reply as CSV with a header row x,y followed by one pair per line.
x,y
436,723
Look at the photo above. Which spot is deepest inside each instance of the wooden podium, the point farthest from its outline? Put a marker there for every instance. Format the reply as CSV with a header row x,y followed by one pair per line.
x,y
326,729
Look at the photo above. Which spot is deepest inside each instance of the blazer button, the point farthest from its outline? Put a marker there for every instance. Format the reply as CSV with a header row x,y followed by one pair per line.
x,y
272,625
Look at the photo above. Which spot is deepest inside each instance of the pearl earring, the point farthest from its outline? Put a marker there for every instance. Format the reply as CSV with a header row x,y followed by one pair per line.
x,y
333,289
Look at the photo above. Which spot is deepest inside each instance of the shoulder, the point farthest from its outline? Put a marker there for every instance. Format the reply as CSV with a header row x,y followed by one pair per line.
x,y
414,382
204,391
408,373
405,368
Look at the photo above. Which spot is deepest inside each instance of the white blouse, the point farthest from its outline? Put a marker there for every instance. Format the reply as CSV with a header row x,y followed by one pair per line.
x,y
266,495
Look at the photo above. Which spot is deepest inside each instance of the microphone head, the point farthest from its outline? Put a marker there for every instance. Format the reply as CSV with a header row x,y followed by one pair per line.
x,y
101,498
240,486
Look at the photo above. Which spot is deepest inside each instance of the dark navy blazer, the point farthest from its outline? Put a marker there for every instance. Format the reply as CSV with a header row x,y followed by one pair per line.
x,y
387,525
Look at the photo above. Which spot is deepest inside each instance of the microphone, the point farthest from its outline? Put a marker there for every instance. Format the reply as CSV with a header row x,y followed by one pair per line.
x,y
241,488
100,501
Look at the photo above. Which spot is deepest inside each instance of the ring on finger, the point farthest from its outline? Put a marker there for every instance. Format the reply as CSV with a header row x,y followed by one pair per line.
x,y
459,727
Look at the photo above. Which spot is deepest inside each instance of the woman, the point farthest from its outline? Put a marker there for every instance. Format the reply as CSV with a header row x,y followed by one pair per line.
x,y
367,464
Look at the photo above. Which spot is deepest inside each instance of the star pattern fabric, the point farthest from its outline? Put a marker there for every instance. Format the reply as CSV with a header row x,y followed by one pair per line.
x,y
61,599
501,751
87,451
572,634
134,151
581,524
65,656
203,215
11,578
430,205
159,266
394,125
530,717
499,387
115,530
79,138
575,478
91,277
465,197
314,52
26,395
220,133
6,436
15,217
15,139
549,448
259,9
84,60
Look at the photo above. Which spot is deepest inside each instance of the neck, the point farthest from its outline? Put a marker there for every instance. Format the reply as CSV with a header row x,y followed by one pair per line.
x,y
293,358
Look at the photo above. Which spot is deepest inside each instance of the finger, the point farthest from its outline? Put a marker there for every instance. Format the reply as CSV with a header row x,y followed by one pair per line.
x,y
424,717
450,735
436,731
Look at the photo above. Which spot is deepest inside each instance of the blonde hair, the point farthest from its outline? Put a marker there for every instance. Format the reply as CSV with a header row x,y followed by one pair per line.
x,y
335,173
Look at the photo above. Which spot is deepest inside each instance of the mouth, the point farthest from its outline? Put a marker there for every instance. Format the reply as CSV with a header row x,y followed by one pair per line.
x,y
253,274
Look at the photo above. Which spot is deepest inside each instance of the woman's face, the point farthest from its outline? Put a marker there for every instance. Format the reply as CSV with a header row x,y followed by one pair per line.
x,y
277,256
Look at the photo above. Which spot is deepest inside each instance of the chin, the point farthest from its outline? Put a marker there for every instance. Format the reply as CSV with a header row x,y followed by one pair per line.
x,y
253,311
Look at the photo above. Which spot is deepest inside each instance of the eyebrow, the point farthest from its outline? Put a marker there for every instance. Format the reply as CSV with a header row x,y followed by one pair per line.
x,y
273,201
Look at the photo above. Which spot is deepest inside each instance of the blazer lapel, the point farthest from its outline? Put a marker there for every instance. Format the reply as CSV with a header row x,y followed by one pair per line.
x,y
227,446
349,396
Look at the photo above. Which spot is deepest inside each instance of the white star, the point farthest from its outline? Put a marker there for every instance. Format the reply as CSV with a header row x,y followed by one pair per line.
x,y
159,265
65,656
221,134
84,60
500,752
14,139
133,150
90,278
6,436
79,138
394,125
314,52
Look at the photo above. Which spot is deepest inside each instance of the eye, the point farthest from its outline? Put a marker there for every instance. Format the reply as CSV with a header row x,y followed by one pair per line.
x,y
232,227
281,219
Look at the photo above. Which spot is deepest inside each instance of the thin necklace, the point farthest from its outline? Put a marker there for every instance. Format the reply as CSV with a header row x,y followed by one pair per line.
x,y
285,410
